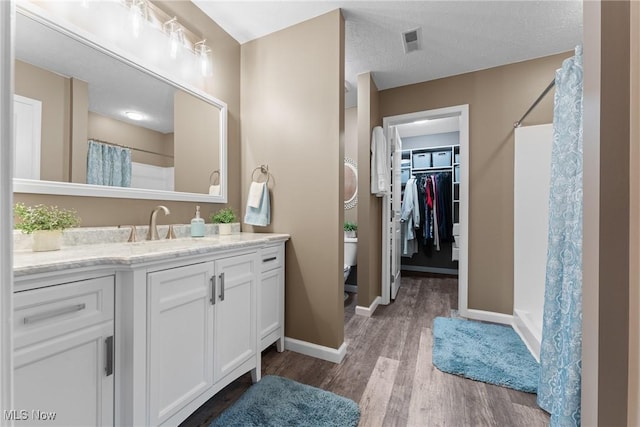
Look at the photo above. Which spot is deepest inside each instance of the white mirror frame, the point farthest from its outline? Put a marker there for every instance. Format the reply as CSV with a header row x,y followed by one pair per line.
x,y
353,201
77,189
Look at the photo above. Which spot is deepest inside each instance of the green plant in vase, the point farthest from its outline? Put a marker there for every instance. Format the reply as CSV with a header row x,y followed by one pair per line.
x,y
224,218
350,229
46,223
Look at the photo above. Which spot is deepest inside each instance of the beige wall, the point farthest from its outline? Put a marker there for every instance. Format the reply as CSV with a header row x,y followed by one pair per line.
x,y
53,91
370,212
497,97
224,85
118,132
79,130
293,120
605,345
634,226
351,151
196,155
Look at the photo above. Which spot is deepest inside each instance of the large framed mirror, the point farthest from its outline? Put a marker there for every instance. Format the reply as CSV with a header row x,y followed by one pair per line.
x,y
73,95
350,183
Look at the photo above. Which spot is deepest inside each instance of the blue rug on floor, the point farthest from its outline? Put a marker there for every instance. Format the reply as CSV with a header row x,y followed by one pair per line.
x,y
484,352
276,401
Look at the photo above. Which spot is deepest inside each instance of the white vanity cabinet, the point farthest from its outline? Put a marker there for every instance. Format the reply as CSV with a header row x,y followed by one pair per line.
x,y
202,328
63,354
143,334
271,296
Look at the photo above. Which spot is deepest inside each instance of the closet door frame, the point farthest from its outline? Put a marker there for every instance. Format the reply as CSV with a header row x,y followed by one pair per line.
x,y
461,111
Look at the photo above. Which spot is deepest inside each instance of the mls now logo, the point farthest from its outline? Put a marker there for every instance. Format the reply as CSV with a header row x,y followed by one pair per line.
x,y
24,415
16,415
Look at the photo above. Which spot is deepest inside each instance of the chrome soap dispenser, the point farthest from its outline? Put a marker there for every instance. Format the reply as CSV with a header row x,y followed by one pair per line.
x,y
197,225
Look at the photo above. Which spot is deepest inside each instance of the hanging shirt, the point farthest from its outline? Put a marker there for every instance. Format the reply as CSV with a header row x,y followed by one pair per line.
x,y
436,208
409,218
380,163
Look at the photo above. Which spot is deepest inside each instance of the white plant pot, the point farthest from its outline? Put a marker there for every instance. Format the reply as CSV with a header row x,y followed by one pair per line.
x,y
224,229
350,234
47,240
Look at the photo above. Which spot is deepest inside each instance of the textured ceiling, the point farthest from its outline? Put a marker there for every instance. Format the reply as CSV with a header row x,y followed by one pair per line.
x,y
456,36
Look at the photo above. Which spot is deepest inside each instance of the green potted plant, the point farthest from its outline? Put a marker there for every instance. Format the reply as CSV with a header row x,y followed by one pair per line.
x,y
224,218
46,223
350,229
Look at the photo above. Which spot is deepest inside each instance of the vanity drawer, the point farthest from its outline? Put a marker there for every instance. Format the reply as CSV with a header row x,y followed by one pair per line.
x,y
272,257
45,313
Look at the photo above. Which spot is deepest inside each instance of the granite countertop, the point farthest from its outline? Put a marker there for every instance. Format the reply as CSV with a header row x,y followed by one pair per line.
x,y
28,262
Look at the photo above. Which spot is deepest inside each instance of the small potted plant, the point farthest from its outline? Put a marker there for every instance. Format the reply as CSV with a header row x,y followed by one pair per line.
x,y
46,223
224,218
350,229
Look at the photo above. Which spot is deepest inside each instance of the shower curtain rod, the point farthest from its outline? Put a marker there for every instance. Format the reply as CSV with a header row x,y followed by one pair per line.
x,y
130,148
535,103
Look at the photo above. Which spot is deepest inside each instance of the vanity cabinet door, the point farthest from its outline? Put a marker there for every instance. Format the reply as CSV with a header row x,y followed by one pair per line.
x,y
271,298
235,313
63,355
181,337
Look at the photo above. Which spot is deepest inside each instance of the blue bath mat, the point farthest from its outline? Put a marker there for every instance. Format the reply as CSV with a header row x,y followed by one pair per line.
x,y
484,352
276,401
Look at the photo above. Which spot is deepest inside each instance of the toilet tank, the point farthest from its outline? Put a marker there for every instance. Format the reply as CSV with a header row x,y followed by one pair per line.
x,y
350,250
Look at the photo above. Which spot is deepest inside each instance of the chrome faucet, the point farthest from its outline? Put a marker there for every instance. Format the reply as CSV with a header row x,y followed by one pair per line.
x,y
152,234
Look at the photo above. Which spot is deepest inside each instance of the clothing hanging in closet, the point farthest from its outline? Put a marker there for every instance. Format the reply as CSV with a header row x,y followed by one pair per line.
x,y
435,198
410,218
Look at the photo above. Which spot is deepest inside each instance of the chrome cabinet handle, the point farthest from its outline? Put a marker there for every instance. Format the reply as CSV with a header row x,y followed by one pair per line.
x,y
221,286
269,259
53,313
213,290
108,367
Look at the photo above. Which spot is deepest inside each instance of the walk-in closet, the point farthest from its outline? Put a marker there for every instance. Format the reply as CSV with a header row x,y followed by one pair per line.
x,y
430,206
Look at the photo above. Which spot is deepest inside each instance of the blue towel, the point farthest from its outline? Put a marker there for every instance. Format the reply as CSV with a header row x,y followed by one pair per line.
x,y
262,214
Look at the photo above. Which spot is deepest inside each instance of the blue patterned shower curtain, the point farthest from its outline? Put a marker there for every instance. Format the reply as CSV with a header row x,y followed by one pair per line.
x,y
561,347
108,165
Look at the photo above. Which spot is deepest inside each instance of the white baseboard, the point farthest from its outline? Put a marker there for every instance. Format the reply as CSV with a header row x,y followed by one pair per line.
x,y
368,311
314,350
528,332
487,316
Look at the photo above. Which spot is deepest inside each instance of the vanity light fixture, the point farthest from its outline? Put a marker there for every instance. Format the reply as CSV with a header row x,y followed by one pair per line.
x,y
176,36
138,16
204,57
133,115
143,13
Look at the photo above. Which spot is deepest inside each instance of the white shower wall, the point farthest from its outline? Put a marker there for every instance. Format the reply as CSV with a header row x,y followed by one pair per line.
x,y
532,170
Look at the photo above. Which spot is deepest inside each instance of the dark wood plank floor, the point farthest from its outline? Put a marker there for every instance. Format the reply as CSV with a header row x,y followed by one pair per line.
x,y
388,369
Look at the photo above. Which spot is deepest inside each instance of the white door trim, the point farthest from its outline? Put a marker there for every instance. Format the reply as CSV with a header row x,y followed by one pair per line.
x,y
7,16
461,111
27,137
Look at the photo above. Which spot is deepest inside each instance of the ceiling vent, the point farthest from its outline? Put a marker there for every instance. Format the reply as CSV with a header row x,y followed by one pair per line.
x,y
411,40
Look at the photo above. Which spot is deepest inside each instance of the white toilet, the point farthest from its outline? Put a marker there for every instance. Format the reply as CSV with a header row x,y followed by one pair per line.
x,y
350,254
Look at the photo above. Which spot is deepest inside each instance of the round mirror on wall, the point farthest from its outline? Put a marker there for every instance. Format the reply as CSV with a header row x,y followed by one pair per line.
x,y
350,183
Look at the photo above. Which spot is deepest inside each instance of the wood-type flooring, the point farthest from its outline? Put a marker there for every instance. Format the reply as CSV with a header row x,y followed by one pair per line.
x,y
388,369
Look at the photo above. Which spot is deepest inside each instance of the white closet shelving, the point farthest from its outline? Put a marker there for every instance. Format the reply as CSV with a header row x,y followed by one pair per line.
x,y
421,160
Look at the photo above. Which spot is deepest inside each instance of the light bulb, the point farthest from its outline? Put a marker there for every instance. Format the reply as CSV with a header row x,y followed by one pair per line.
x,y
176,36
174,43
137,16
204,58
